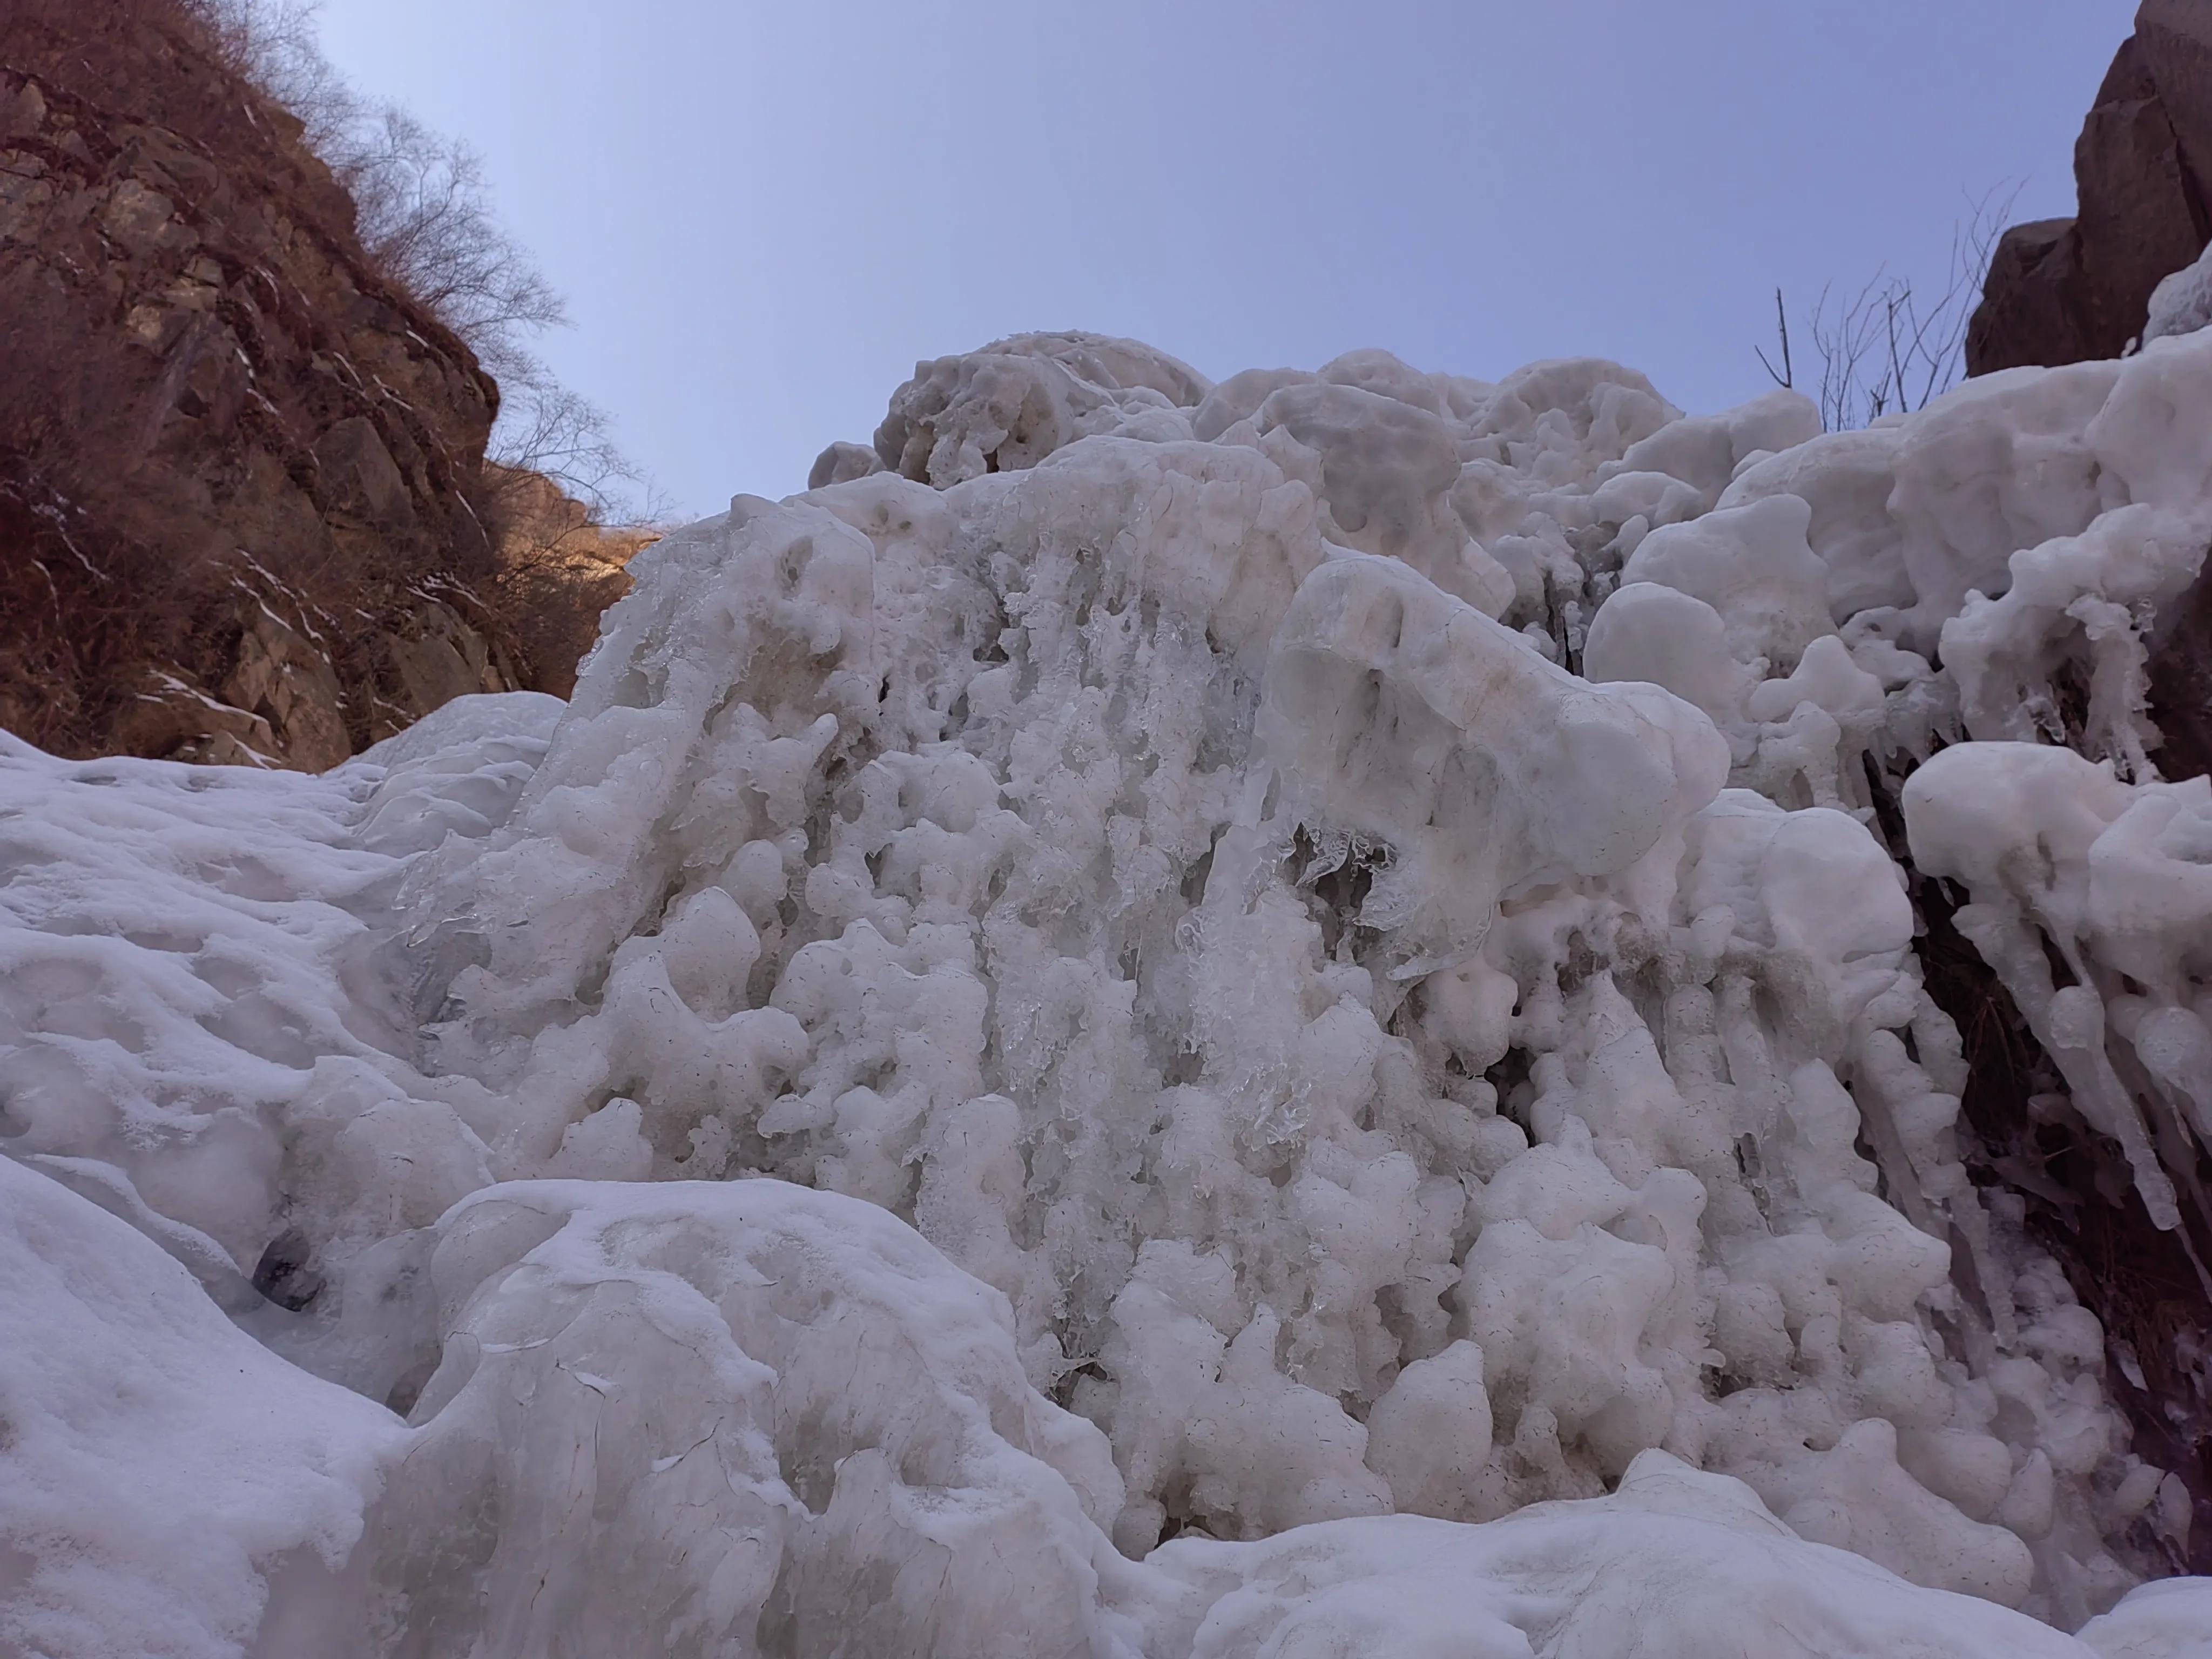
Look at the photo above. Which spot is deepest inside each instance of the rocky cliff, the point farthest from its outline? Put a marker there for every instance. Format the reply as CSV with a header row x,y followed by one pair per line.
x,y
244,514
2070,290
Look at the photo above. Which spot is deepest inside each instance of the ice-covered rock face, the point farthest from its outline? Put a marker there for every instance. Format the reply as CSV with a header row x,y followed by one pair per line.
x,y
1288,952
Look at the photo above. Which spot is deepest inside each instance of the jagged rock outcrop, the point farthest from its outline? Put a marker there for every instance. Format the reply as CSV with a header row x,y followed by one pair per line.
x,y
2070,290
244,514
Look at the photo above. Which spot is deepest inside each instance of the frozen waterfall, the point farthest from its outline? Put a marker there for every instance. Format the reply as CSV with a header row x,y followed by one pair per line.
x,y
1160,1020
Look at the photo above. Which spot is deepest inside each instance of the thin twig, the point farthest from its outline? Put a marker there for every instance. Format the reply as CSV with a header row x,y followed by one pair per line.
x,y
1787,379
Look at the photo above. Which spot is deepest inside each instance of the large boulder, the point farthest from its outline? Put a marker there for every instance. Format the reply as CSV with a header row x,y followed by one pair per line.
x,y
2068,291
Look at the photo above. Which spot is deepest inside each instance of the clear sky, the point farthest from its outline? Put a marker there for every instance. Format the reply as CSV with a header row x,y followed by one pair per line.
x,y
762,212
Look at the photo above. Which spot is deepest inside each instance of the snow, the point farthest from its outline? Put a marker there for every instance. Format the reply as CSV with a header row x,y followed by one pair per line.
x,y
2182,302
1161,1018
2170,1619
1671,1566
167,1485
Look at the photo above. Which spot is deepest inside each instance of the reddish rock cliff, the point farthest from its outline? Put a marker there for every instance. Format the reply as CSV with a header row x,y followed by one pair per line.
x,y
243,509
2066,290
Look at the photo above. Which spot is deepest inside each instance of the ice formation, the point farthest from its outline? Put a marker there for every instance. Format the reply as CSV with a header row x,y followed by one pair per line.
x,y
1160,1019
2182,302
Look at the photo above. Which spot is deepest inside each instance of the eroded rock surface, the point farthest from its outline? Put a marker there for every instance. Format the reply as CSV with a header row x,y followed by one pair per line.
x,y
243,510
2068,290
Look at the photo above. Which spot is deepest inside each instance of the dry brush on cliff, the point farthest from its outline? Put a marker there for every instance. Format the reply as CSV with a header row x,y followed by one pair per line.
x,y
244,511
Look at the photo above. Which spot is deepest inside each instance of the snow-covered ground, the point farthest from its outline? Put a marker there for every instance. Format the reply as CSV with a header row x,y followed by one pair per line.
x,y
1259,1019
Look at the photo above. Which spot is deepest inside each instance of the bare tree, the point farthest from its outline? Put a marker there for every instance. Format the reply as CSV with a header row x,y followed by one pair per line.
x,y
425,218
273,44
1891,349
426,221
552,430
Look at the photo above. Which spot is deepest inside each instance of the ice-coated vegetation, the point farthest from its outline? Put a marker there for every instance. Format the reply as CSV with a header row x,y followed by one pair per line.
x,y
1161,1019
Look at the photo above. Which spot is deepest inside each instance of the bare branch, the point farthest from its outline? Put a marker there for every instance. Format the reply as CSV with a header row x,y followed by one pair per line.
x,y
424,217
1786,377
1886,350
554,432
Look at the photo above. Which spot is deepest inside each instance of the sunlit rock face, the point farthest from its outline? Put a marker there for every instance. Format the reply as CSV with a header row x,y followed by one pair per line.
x,y
1132,1026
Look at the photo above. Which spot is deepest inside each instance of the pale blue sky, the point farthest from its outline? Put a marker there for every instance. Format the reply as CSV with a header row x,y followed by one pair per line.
x,y
762,215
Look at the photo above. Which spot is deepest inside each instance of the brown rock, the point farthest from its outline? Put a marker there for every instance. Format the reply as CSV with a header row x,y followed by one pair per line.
x,y
2066,290
238,464
2175,37
2030,310
2181,685
168,716
286,678
437,657
360,480
559,570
